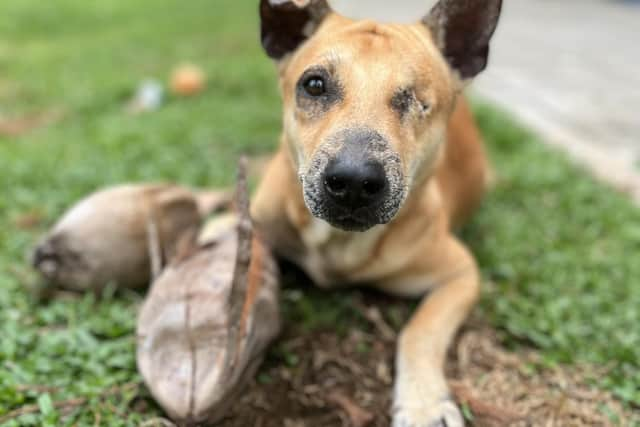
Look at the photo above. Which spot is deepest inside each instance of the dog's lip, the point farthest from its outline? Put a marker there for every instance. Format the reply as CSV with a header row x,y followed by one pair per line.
x,y
352,222
361,215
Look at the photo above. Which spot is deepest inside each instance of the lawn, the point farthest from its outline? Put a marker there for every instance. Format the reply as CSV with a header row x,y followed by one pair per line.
x,y
560,253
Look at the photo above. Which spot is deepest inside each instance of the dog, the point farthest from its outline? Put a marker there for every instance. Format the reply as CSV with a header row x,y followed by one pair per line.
x,y
379,162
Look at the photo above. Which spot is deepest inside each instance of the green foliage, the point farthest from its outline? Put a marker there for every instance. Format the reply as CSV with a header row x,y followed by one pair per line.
x,y
561,253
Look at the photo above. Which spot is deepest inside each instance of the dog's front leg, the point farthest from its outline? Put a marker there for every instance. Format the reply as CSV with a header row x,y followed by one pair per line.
x,y
421,396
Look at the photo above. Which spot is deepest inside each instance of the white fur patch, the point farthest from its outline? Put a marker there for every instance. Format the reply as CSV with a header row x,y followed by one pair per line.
x,y
316,234
333,254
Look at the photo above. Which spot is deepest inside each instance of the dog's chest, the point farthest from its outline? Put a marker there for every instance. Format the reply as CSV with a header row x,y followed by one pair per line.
x,y
334,257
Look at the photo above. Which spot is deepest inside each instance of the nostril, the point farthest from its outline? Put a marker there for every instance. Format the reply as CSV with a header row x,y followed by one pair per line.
x,y
357,184
372,187
335,184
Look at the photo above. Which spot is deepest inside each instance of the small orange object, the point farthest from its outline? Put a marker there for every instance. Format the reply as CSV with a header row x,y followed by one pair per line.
x,y
187,80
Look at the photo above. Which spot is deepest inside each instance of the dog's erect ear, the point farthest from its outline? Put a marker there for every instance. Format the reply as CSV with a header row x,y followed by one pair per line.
x,y
285,24
462,30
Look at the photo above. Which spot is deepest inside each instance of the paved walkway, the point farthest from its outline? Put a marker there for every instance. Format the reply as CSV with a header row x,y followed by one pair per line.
x,y
571,70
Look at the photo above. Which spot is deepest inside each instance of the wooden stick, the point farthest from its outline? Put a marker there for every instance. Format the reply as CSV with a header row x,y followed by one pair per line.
x,y
239,285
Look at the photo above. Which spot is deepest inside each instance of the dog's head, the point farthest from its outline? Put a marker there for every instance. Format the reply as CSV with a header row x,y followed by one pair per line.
x,y
366,105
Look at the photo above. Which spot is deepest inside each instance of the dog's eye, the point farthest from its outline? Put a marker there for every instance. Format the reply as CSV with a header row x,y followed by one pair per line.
x,y
314,86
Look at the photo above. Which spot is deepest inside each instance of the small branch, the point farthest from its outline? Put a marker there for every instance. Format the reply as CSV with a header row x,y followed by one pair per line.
x,y
69,403
481,408
158,421
374,316
32,409
22,388
359,417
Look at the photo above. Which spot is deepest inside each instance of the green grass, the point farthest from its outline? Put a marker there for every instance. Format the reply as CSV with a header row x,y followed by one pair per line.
x,y
560,252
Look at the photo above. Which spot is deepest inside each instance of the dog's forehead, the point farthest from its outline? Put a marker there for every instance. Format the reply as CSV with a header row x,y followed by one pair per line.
x,y
403,51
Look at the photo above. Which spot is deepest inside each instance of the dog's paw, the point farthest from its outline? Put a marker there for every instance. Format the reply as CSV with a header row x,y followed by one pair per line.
x,y
441,414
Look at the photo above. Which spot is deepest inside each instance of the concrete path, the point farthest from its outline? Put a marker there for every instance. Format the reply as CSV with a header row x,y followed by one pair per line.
x,y
570,69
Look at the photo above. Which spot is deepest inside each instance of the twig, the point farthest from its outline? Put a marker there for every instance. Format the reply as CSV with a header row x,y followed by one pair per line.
x,y
67,404
374,316
32,409
36,388
482,409
157,421
358,416
97,418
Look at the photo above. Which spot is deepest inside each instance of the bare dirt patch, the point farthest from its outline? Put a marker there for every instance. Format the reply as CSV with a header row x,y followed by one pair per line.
x,y
326,380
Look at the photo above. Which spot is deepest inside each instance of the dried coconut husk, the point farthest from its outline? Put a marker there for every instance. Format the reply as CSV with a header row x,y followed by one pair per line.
x,y
104,238
208,319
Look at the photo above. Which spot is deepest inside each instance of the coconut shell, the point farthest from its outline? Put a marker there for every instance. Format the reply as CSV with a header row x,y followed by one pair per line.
x,y
207,321
104,238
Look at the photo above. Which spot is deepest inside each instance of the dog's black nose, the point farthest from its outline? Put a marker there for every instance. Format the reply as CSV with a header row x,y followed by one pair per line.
x,y
355,184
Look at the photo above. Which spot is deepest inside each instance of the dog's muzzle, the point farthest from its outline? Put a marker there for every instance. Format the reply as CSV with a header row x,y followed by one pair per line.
x,y
355,181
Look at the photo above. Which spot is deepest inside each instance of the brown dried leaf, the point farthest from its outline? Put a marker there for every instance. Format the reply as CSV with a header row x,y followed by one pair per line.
x,y
19,126
358,416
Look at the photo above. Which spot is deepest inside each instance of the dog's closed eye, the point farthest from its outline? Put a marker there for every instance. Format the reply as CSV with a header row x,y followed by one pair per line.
x,y
402,101
405,99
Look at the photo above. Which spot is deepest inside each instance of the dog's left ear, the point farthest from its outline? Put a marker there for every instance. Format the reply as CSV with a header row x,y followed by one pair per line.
x,y
462,30
285,24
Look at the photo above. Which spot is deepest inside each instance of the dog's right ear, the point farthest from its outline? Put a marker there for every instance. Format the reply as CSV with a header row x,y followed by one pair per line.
x,y
285,24
462,30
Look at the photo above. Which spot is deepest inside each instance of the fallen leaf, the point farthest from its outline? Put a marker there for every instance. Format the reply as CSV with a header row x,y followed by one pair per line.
x,y
359,416
29,220
22,125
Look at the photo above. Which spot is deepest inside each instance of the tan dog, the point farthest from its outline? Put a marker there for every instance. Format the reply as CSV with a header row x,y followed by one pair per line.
x,y
379,160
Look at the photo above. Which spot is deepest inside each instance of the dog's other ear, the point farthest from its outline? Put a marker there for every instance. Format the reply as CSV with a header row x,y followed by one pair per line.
x,y
285,24
462,30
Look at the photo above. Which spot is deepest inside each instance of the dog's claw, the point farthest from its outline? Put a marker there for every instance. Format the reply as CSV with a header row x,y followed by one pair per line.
x,y
442,414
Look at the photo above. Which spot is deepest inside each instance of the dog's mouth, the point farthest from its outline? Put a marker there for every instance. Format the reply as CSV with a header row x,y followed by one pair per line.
x,y
355,221
351,224
359,219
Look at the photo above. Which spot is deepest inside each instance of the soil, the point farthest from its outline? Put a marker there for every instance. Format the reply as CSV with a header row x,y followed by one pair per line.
x,y
325,379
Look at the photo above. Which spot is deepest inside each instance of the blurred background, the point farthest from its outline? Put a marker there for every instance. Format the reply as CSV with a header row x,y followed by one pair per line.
x,y
89,98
